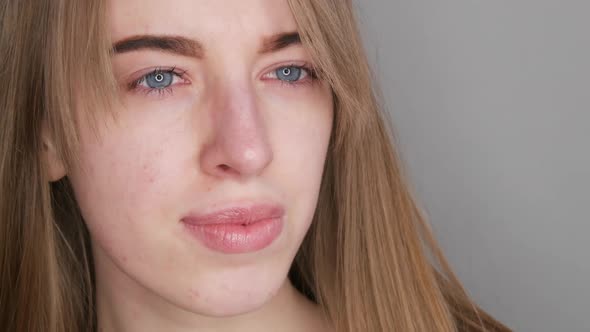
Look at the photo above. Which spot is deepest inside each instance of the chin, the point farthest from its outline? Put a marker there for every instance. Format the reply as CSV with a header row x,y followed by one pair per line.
x,y
224,302
230,292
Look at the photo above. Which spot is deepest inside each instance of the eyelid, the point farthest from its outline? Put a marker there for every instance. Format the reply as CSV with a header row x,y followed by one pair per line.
x,y
274,74
139,76
146,71
135,80
306,66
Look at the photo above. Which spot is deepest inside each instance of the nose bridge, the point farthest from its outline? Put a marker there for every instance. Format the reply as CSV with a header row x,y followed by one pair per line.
x,y
239,142
238,120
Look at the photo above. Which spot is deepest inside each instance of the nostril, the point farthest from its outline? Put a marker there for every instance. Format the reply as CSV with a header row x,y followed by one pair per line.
x,y
226,170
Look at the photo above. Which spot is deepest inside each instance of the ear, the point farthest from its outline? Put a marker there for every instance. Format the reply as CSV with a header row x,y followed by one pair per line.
x,y
53,165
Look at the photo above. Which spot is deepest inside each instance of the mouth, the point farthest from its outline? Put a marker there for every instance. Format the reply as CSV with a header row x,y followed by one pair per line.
x,y
237,229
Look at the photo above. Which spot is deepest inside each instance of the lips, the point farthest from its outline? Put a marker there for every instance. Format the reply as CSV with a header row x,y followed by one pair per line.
x,y
237,229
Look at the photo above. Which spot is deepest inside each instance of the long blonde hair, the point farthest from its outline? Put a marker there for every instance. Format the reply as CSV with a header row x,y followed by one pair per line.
x,y
369,258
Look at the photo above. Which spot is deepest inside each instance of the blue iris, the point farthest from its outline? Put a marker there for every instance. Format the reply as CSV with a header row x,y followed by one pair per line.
x,y
159,79
289,74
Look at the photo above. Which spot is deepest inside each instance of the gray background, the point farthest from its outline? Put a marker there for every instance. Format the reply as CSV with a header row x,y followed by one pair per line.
x,y
490,102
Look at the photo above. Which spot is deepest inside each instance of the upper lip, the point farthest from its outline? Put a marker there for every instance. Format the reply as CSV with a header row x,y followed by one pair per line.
x,y
238,214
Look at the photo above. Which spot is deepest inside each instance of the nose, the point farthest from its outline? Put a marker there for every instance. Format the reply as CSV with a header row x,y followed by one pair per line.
x,y
239,144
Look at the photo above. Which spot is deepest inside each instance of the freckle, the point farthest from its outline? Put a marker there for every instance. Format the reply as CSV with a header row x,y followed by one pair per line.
x,y
195,293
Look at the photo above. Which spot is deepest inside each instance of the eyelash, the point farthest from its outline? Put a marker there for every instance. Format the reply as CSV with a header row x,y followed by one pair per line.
x,y
136,84
311,75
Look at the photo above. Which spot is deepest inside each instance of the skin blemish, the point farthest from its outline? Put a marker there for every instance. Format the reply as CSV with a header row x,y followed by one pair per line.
x,y
149,172
194,294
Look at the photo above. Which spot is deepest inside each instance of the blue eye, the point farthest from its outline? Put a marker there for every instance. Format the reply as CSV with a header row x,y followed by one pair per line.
x,y
159,79
288,73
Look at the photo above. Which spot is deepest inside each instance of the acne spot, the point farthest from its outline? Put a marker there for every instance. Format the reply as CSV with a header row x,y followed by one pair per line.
x,y
150,175
194,294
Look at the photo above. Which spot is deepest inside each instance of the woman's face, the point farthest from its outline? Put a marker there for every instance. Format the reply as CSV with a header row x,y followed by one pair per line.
x,y
217,111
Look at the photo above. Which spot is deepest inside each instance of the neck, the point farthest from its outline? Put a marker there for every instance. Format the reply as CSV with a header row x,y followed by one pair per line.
x,y
123,305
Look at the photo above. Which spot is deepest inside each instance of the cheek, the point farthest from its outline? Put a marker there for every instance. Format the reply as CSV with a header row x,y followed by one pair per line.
x,y
300,136
118,174
121,179
124,188
301,133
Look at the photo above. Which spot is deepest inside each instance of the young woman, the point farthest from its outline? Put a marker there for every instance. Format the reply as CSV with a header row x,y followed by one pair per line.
x,y
200,165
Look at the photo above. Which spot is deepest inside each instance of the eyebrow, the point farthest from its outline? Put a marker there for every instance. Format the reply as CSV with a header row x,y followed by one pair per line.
x,y
279,41
190,47
172,44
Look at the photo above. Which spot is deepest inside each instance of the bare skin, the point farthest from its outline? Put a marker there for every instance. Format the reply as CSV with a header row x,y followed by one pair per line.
x,y
235,119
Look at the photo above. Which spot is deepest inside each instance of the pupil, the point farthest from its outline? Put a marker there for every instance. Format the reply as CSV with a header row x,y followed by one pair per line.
x,y
286,71
159,77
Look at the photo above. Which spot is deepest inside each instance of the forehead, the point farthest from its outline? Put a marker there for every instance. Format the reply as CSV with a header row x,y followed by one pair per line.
x,y
206,20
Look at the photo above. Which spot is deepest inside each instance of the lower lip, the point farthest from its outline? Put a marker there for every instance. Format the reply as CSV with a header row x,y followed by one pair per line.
x,y
237,238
